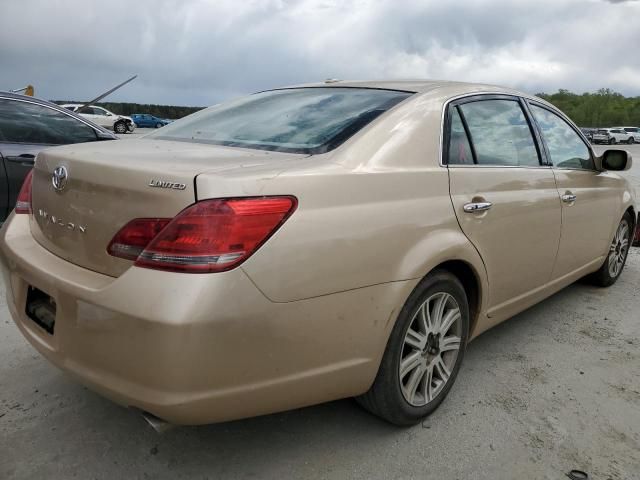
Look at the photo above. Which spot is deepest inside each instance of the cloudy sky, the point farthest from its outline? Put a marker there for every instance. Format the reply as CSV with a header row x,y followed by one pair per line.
x,y
199,52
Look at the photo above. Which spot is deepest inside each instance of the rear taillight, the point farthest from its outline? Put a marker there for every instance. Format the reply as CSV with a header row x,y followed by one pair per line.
x,y
23,204
130,241
209,236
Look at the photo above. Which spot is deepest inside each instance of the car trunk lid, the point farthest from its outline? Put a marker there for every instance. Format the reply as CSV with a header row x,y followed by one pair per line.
x,y
109,184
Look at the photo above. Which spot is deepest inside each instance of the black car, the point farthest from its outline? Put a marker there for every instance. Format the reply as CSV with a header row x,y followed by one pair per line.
x,y
28,125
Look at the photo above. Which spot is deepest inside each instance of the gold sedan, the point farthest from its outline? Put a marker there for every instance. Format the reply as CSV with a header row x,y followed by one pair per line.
x,y
307,244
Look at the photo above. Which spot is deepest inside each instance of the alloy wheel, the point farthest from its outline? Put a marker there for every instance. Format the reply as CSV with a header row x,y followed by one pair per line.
x,y
430,349
619,248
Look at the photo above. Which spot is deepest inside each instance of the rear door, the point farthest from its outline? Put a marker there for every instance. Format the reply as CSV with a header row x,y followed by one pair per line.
x,y
100,117
504,197
590,199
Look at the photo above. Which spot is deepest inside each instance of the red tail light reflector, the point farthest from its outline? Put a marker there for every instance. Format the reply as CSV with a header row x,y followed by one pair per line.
x,y
209,236
130,241
23,204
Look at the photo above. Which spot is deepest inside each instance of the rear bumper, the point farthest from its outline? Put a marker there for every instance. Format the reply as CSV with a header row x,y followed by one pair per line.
x,y
195,349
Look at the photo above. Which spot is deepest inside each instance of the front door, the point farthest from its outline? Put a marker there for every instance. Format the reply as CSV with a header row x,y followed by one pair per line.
x,y
505,199
590,199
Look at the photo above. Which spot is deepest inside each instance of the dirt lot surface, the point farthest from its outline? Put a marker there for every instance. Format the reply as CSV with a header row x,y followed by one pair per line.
x,y
556,387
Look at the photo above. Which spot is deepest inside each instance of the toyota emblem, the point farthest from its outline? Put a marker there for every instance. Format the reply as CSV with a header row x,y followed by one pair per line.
x,y
59,178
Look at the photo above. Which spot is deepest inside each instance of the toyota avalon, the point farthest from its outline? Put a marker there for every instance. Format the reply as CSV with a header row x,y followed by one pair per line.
x,y
306,244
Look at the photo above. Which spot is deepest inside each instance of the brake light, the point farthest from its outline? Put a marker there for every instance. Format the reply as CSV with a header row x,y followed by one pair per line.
x,y
23,204
209,236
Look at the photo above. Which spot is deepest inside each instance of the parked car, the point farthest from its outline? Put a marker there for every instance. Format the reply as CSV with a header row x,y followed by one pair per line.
x,y
588,132
634,132
612,136
144,120
28,125
307,244
103,117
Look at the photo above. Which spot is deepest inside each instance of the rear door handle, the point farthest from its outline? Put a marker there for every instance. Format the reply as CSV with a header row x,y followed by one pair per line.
x,y
568,197
477,207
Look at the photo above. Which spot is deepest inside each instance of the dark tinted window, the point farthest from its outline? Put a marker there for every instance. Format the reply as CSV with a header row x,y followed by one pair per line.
x,y
565,146
23,122
500,133
459,148
297,120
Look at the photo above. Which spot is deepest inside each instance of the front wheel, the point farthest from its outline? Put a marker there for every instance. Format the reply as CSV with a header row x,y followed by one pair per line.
x,y
612,267
158,125
120,127
424,352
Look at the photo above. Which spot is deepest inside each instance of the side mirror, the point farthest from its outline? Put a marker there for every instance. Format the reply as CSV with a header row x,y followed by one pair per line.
x,y
614,160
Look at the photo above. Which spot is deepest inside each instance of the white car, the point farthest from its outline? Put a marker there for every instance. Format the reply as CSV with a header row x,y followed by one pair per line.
x,y
633,131
103,117
612,136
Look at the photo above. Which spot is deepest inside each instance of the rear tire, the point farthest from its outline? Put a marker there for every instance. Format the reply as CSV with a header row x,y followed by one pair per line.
x,y
631,141
424,352
613,265
612,141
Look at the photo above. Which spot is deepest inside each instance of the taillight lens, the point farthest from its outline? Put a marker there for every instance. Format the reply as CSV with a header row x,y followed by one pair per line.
x,y
130,241
209,236
23,204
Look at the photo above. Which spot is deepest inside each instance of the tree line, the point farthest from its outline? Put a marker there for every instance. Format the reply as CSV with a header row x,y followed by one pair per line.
x,y
161,111
604,108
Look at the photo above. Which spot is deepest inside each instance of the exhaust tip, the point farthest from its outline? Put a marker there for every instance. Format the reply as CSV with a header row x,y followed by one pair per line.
x,y
159,425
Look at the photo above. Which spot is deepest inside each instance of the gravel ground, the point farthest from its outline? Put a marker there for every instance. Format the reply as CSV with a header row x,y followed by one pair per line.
x,y
556,387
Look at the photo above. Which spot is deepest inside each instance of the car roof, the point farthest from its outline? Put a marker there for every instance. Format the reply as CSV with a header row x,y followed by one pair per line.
x,y
79,105
416,86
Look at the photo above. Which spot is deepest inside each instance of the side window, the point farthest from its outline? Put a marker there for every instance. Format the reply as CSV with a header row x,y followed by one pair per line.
x,y
459,148
566,148
23,122
500,133
99,111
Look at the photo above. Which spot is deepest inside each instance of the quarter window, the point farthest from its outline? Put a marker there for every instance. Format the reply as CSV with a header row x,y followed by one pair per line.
x,y
566,148
24,122
500,133
459,148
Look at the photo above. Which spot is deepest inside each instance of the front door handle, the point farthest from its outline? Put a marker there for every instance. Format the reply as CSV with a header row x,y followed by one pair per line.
x,y
477,207
568,197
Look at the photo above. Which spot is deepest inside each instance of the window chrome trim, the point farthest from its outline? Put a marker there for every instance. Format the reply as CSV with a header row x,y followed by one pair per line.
x,y
62,110
514,97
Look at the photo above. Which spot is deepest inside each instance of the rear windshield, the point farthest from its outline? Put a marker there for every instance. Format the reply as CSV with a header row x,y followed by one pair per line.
x,y
296,120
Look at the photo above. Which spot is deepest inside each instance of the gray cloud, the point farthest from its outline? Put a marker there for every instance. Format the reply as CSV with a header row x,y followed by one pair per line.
x,y
200,52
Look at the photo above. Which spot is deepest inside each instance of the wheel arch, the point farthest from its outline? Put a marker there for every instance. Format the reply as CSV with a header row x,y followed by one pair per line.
x,y
634,218
451,250
470,280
